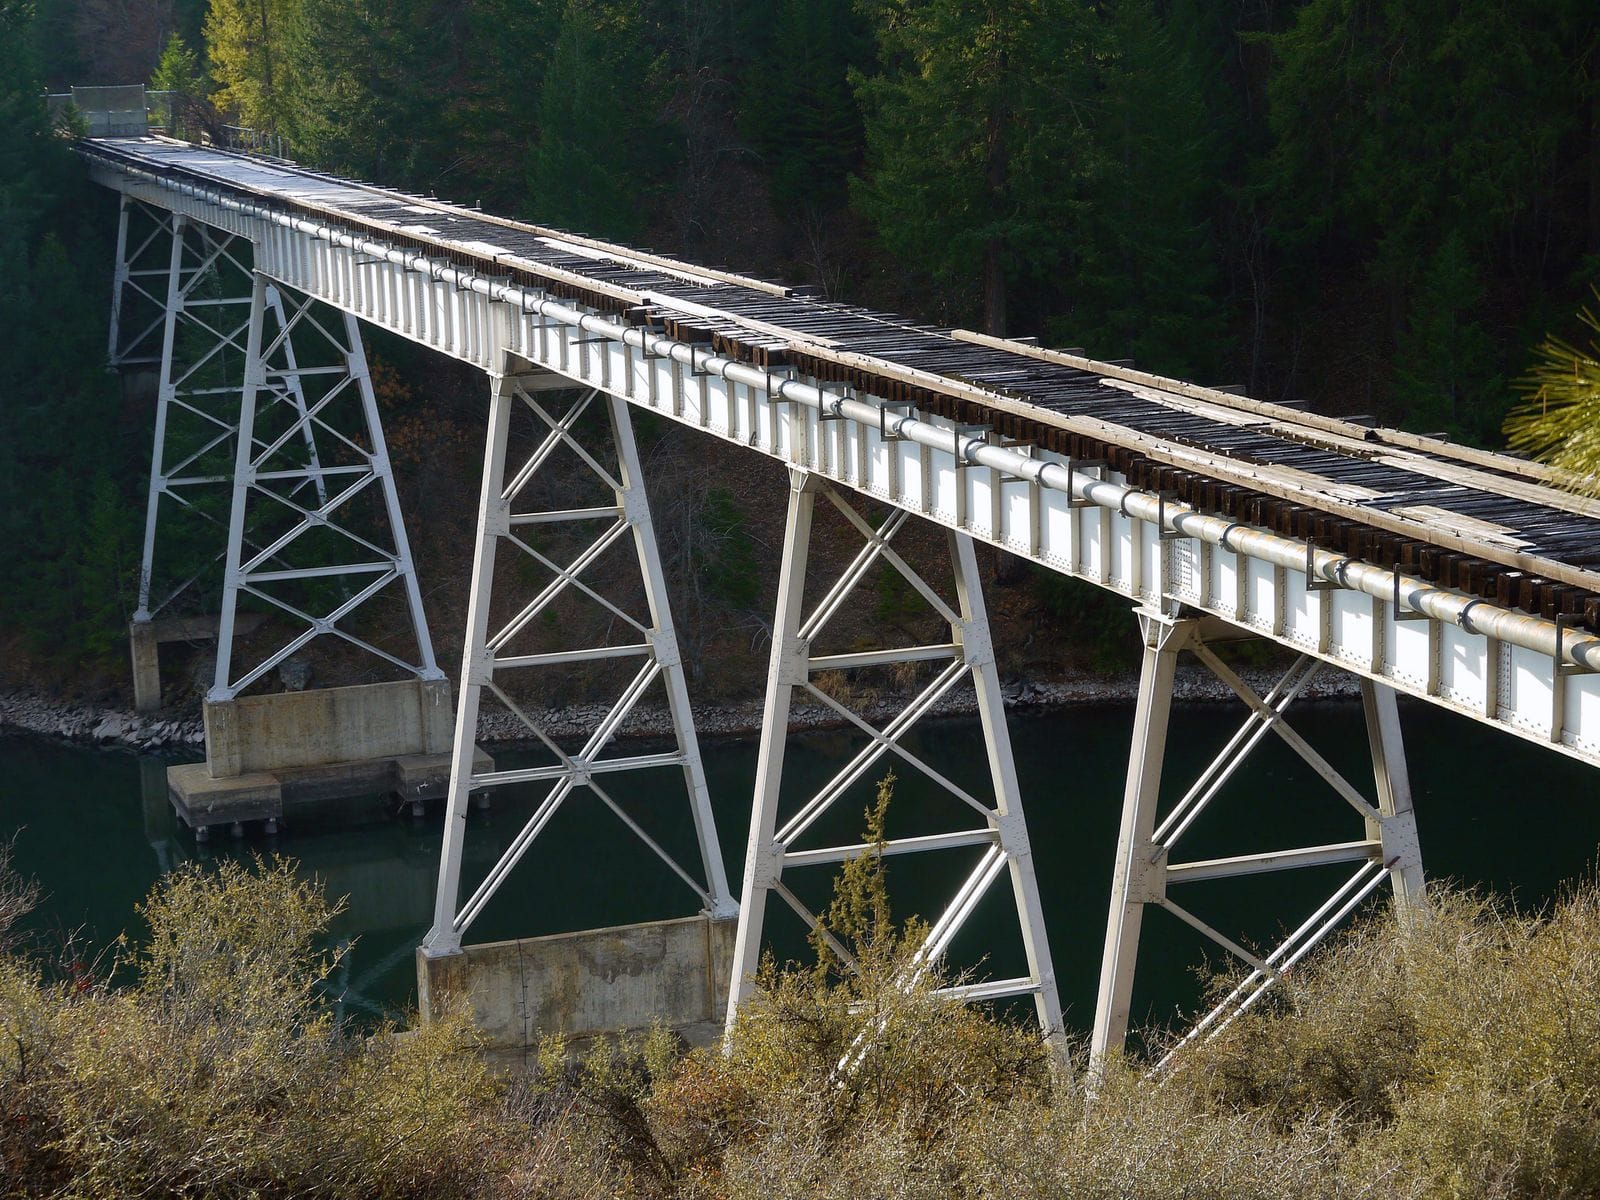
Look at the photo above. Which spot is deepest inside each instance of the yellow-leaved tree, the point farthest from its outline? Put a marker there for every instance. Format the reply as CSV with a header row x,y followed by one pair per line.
x,y
246,40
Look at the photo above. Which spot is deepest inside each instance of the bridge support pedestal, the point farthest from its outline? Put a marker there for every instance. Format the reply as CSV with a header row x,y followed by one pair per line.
x,y
508,662
1144,873
999,835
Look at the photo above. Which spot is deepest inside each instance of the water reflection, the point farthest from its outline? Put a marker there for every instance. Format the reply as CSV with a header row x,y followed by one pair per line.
x,y
95,829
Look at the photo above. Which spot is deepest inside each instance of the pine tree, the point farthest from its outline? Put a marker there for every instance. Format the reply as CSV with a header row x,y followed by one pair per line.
x,y
977,153
1142,280
591,170
178,73
796,104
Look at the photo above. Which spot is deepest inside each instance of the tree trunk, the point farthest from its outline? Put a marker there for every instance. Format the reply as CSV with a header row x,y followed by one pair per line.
x,y
994,275
269,107
1593,74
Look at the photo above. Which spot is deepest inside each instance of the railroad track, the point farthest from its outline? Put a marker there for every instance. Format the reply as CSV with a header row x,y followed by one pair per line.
x,y
1485,524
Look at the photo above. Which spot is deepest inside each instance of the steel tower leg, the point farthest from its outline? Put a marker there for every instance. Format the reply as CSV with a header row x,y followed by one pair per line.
x,y
1144,873
490,654
786,670
1397,826
1135,851
287,549
774,845
119,282
138,281
164,397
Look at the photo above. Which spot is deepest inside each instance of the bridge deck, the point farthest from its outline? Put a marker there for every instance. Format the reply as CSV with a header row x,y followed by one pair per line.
x,y
1486,524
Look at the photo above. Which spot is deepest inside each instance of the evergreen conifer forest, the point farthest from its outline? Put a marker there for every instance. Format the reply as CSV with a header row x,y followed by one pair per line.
x,y
1379,207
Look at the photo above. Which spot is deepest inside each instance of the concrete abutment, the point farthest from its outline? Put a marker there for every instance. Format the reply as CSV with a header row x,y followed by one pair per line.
x,y
587,984
326,744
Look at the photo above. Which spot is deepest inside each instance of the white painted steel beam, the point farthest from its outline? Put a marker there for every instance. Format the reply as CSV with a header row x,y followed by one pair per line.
x,y
774,844
489,658
1493,665
1144,872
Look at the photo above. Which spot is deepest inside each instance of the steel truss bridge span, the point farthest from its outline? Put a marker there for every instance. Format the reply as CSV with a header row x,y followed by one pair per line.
x,y
1460,577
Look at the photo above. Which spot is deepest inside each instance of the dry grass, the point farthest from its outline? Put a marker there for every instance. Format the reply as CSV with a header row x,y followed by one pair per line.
x,y
1454,1056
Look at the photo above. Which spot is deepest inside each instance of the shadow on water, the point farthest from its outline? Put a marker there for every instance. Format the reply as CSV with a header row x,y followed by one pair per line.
x,y
94,829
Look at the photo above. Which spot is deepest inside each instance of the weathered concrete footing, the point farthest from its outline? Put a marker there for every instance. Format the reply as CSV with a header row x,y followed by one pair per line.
x,y
202,801
266,752
144,644
599,981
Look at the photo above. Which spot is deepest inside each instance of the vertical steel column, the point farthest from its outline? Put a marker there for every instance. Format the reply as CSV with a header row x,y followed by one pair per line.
x,y
1397,827
1130,886
664,638
477,667
164,396
119,281
243,477
977,650
786,670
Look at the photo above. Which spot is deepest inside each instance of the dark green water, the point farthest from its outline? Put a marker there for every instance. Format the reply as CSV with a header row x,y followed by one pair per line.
x,y
1492,811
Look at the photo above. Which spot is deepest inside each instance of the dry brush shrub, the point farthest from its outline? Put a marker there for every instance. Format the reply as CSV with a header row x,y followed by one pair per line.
x,y
1459,1050
1132,1139
849,1078
220,1072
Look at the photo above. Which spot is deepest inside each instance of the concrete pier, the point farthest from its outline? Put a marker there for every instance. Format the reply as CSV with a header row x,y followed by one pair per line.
x,y
263,752
144,646
599,981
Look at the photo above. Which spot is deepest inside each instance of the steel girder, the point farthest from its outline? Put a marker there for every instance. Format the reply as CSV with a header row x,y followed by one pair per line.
x,y
1001,833
509,517
1144,872
1508,670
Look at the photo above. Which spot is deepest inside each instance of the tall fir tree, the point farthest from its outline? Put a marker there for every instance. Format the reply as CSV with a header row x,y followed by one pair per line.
x,y
798,108
1420,145
977,144
246,41
591,171
1142,281
178,74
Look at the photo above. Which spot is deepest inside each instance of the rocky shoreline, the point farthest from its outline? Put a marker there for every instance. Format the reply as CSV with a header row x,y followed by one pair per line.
x,y
112,726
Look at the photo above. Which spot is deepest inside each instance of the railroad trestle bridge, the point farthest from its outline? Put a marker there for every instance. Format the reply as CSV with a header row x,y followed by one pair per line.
x,y
1463,578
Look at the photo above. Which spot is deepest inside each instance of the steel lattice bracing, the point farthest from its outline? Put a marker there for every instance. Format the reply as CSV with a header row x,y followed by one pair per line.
x,y
1000,835
315,531
496,661
139,284
1145,873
